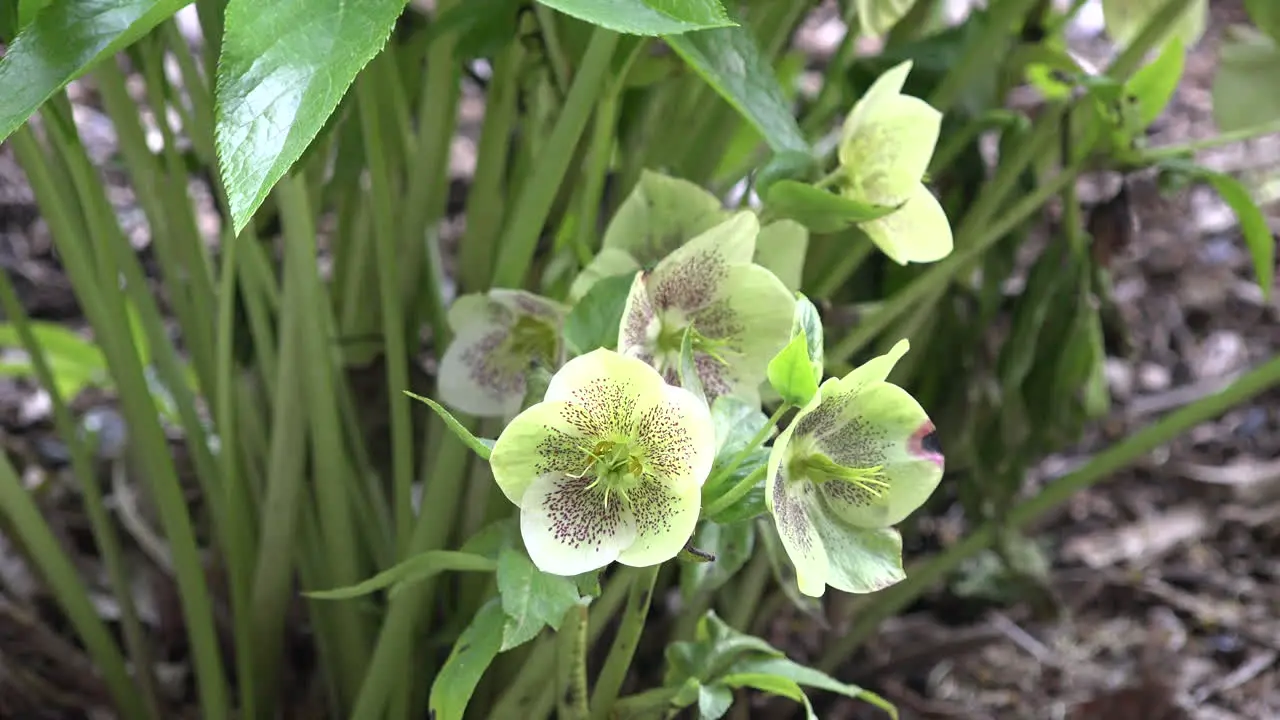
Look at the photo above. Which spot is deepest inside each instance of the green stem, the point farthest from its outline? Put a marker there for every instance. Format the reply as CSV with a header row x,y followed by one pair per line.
x,y
1166,152
756,440
515,253
750,588
735,493
924,575
573,657
1158,25
598,157
985,52
397,354
616,664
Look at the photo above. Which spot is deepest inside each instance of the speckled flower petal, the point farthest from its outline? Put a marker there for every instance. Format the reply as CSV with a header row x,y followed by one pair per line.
x,y
918,232
664,521
678,440
689,279
477,309
606,392
861,561
890,152
569,529
780,248
751,314
791,501
523,302
876,369
881,426
607,263
541,440
639,329
886,86
659,215
475,378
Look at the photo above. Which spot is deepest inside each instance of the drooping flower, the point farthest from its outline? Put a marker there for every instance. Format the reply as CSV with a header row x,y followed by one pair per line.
x,y
498,336
885,148
859,458
739,312
662,213
609,466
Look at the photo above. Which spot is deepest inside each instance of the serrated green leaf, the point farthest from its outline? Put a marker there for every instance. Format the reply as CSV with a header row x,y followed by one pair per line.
x,y
1253,225
782,667
594,320
483,26
479,446
729,60
808,321
415,569
646,17
790,373
472,654
63,42
284,66
736,422
531,598
713,701
773,685
819,210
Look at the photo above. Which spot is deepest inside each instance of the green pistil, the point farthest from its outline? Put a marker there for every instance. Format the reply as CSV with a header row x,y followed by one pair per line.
x,y
617,468
671,338
820,468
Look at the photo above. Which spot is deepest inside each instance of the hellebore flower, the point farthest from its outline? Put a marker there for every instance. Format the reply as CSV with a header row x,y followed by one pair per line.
x,y
499,335
739,312
609,466
885,147
860,457
662,213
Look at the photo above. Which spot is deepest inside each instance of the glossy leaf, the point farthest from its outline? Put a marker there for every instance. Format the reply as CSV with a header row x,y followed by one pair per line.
x,y
782,667
646,17
479,446
593,322
729,60
416,568
63,42
284,66
472,654
786,165
1253,225
1246,89
531,598
820,210
714,701
1152,87
736,421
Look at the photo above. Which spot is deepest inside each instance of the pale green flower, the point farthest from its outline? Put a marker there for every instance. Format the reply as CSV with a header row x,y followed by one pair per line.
x,y
498,337
662,213
740,313
609,466
885,148
859,458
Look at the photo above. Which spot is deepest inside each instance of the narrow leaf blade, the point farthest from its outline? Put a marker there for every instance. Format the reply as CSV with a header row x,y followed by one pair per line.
x,y
418,567
648,17
481,447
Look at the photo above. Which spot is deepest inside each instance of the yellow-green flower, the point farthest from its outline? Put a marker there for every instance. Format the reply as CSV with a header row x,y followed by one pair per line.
x,y
739,312
859,458
609,466
885,148
498,337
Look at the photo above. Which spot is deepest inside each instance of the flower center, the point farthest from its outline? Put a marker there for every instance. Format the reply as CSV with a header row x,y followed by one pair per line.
x,y
530,339
671,339
617,466
819,468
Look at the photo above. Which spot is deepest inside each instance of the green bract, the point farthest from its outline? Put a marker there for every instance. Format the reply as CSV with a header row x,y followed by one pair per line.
x,y
662,214
499,336
739,312
609,466
885,147
859,458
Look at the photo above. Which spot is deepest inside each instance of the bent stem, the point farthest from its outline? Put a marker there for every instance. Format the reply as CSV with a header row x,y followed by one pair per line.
x,y
924,575
609,683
